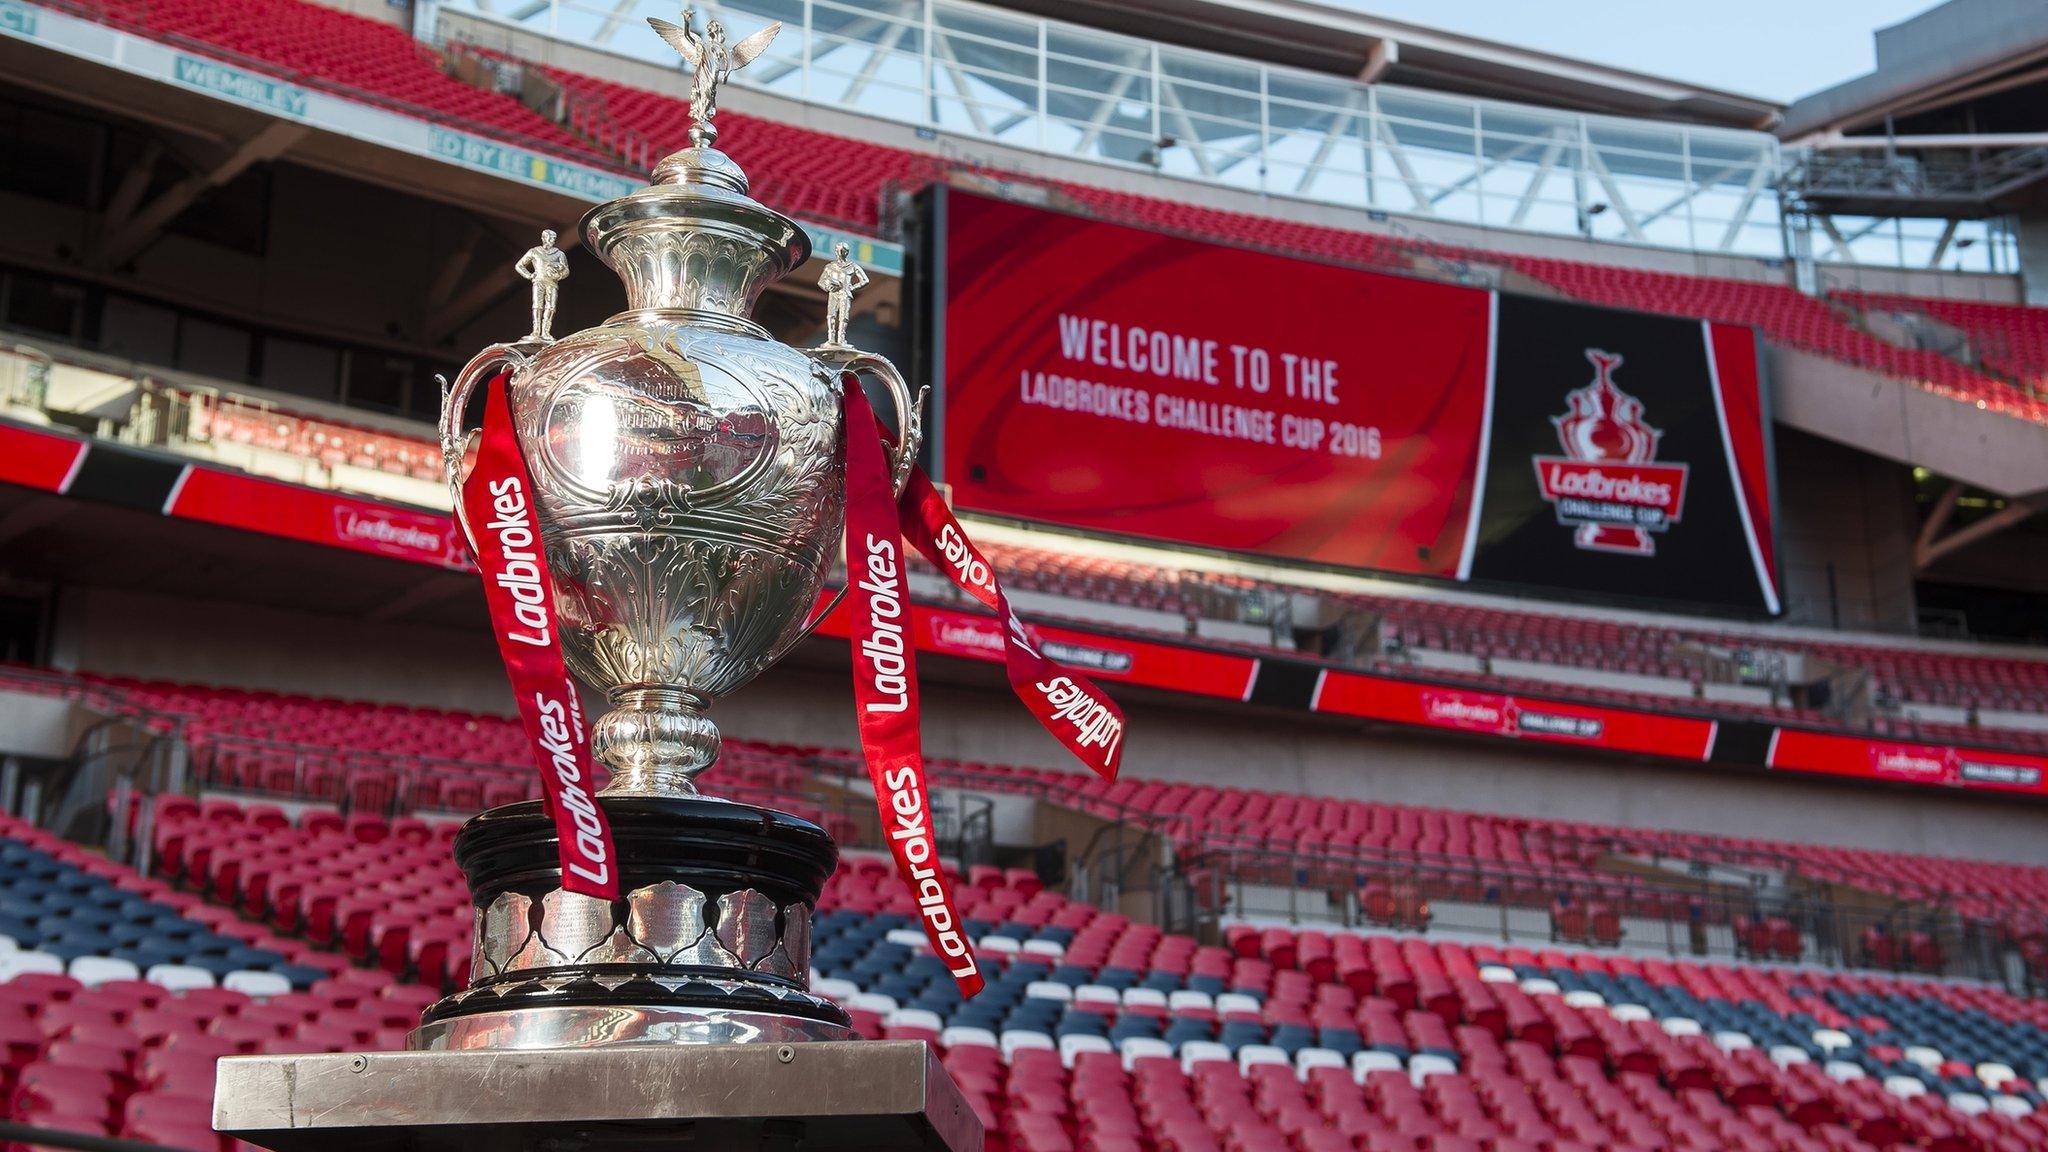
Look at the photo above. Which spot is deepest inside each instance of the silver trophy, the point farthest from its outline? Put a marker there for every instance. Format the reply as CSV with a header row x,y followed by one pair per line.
x,y
691,492
690,487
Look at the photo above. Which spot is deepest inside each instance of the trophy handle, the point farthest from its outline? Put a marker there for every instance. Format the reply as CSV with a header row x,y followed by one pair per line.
x,y
909,438
909,409
454,399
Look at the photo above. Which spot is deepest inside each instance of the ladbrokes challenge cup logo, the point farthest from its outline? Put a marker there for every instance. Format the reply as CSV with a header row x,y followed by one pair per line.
x,y
1605,485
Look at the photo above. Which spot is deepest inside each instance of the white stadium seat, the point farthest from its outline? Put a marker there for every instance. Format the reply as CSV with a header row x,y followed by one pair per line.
x,y
1098,994
1928,1058
1016,1040
1904,1086
1309,1059
1370,1061
1134,1048
924,1020
182,977
2011,1106
1252,1054
93,971
962,1036
1422,1066
1831,1039
14,964
1073,1045
256,983
1144,998
1229,1002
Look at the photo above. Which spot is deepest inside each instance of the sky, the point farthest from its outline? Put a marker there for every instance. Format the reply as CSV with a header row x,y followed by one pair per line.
x,y
1778,49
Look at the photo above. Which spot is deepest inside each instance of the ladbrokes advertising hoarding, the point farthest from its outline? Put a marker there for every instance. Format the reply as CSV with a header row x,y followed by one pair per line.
x,y
1123,381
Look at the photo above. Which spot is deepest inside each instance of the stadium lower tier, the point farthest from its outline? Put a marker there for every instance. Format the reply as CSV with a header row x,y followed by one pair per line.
x,y
1099,1033
385,759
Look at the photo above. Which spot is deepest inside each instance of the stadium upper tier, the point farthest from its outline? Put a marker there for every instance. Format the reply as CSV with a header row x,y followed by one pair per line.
x,y
328,48
842,181
846,180
984,73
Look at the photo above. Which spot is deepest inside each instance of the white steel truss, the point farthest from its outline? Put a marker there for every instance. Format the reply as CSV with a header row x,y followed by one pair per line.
x,y
986,73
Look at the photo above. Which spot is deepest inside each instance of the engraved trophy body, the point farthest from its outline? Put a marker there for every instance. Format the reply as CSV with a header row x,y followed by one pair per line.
x,y
689,479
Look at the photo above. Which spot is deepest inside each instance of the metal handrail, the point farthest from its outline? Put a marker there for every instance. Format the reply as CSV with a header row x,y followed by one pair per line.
x,y
1836,927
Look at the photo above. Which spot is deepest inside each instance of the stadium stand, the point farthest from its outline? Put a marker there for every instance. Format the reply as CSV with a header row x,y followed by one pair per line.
x,y
1100,1032
360,57
1392,861
118,991
306,898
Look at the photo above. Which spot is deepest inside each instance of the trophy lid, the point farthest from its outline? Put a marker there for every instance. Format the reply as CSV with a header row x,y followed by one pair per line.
x,y
693,241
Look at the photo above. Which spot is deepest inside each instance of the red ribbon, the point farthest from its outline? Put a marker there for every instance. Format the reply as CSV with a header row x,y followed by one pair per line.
x,y
1067,704
885,686
498,502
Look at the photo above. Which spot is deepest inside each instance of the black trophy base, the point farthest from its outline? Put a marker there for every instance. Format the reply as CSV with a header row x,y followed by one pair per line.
x,y
708,942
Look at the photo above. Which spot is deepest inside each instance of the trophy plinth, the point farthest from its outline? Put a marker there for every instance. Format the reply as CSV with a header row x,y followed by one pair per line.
x,y
848,1096
709,942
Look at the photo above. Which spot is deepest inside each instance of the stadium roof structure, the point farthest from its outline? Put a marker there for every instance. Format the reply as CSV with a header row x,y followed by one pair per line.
x,y
1952,121
1341,41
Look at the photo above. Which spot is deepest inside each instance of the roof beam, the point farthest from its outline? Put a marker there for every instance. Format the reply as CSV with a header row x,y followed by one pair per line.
x,y
1384,54
129,235
1932,545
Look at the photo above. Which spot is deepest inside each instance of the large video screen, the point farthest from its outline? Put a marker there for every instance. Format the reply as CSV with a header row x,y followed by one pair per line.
x,y
1124,381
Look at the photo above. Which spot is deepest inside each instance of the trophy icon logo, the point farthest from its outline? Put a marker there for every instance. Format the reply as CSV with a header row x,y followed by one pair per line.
x,y
1608,484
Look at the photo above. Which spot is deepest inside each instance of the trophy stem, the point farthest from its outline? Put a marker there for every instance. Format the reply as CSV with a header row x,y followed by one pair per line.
x,y
655,741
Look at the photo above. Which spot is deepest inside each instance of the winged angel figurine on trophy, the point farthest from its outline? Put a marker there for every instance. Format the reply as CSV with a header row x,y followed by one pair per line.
x,y
654,503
